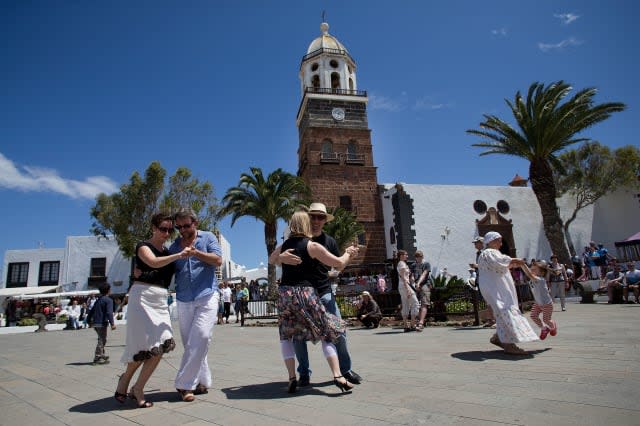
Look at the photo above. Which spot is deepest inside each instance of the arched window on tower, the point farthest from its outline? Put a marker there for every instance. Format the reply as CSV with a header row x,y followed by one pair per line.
x,y
315,81
345,203
352,153
351,88
335,80
328,155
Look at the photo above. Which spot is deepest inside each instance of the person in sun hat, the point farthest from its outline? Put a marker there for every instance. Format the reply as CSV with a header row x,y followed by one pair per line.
x,y
499,291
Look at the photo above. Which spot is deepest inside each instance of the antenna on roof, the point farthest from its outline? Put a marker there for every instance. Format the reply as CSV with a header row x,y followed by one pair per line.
x,y
323,16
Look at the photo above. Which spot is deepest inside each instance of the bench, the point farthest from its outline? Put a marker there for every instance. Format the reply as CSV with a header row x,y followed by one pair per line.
x,y
592,287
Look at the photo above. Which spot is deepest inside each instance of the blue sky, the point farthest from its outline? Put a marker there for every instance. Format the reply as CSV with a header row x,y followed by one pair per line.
x,y
92,91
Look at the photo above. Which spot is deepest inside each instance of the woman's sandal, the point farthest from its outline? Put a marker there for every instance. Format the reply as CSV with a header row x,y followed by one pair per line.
x,y
496,341
344,387
512,349
186,395
140,404
120,397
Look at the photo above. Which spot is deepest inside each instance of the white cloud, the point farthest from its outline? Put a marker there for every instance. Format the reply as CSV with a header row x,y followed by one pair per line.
x,y
566,18
545,47
500,32
429,103
385,104
40,179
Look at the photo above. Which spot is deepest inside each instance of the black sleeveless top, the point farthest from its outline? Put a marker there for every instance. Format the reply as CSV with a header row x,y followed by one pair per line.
x,y
156,276
297,275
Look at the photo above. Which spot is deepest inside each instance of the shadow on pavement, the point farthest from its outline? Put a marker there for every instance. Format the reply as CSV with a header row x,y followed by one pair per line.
x,y
278,390
80,363
486,355
109,404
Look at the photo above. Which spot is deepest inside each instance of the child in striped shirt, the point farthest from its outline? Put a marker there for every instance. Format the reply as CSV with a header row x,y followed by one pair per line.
x,y
543,301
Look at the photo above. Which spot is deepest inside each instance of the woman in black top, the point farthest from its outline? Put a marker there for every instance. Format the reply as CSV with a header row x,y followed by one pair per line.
x,y
301,313
149,333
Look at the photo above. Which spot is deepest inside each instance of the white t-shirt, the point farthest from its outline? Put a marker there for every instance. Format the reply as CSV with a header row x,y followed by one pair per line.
x,y
226,295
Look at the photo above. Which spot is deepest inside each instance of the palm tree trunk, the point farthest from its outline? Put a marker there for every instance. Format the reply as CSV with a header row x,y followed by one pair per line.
x,y
543,185
270,238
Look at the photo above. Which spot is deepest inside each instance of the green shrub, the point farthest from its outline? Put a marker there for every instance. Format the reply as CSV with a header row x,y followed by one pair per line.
x,y
62,319
25,322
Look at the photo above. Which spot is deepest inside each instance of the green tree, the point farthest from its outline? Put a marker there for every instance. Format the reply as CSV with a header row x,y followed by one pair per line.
x,y
593,171
344,228
187,191
127,214
268,200
547,126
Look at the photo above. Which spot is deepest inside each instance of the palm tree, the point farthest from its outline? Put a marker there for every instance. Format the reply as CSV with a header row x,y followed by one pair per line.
x,y
268,200
546,127
343,228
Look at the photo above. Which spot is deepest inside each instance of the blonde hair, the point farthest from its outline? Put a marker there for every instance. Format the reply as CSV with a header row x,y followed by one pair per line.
x,y
300,225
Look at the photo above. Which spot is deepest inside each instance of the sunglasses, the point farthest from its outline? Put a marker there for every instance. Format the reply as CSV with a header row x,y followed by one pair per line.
x,y
163,229
179,227
317,217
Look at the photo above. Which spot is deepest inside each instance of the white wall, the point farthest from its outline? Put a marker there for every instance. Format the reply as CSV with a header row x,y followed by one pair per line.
x,y
616,217
34,257
79,252
437,207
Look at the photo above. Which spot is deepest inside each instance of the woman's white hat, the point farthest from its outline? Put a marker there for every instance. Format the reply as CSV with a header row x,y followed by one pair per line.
x,y
491,236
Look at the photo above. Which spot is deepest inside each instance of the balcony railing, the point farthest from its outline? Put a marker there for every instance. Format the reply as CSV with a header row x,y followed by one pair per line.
x,y
336,157
354,158
331,91
329,157
327,50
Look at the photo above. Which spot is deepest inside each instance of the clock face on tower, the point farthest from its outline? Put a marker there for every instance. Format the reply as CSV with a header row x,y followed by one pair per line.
x,y
337,114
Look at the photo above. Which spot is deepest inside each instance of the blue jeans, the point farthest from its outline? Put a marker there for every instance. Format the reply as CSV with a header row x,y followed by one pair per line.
x,y
300,347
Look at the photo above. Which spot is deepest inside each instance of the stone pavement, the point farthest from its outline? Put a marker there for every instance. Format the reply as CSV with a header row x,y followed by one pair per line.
x,y
587,375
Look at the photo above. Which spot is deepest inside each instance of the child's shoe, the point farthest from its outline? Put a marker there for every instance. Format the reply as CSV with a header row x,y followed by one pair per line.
x,y
544,332
554,330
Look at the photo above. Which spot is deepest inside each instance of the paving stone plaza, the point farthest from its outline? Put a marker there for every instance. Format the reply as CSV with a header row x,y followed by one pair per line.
x,y
587,375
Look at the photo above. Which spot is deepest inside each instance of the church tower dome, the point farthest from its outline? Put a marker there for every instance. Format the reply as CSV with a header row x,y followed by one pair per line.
x,y
327,66
335,154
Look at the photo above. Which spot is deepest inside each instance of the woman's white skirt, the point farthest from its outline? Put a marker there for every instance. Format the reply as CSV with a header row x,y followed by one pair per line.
x,y
149,330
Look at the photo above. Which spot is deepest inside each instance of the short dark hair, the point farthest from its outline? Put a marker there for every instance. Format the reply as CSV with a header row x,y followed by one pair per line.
x,y
104,288
158,218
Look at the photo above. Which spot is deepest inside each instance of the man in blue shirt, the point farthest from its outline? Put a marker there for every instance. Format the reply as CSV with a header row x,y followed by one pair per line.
x,y
198,299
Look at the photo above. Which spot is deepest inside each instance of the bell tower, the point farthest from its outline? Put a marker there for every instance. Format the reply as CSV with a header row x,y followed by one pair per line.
x,y
335,155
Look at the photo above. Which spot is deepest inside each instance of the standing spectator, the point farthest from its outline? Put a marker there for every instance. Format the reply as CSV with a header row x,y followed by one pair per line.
x,y
604,255
407,292
83,314
226,300
101,316
381,283
632,282
369,312
478,243
198,298
557,279
421,271
594,261
243,296
499,291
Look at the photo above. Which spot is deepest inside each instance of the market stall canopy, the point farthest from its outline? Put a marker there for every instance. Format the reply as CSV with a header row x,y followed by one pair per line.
x,y
23,291
66,294
629,249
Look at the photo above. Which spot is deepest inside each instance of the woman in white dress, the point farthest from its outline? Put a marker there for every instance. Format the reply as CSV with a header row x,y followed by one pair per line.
x,y
499,291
